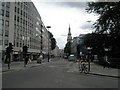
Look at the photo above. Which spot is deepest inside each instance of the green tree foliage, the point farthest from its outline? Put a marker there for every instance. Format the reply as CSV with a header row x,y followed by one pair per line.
x,y
67,48
109,20
53,40
97,42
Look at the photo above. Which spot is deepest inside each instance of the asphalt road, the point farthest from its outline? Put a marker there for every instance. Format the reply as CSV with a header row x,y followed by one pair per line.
x,y
55,74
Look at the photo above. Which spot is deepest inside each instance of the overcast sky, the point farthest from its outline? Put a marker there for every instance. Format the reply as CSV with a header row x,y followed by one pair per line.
x,y
59,15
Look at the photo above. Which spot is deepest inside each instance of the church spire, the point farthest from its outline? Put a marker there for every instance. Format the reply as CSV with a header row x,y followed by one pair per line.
x,y
69,32
69,38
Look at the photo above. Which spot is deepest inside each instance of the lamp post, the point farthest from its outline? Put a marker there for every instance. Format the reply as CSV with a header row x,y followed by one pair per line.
x,y
41,37
48,43
106,51
89,52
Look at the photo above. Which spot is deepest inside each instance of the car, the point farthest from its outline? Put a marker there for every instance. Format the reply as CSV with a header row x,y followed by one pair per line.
x,y
71,57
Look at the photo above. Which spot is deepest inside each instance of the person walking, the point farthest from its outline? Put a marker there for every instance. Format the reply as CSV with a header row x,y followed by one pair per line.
x,y
25,61
106,62
40,59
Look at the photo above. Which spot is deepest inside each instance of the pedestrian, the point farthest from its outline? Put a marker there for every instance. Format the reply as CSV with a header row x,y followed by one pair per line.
x,y
25,61
40,59
106,63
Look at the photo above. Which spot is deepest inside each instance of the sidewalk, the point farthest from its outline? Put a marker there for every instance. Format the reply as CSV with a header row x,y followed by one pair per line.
x,y
96,69
19,65
99,70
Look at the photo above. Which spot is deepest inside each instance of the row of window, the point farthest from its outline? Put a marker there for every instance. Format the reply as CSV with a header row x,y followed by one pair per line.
x,y
24,14
4,33
23,5
24,30
2,12
19,44
5,43
22,21
7,4
2,22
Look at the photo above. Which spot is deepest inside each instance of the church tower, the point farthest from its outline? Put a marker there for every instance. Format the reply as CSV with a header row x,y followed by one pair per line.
x,y
69,37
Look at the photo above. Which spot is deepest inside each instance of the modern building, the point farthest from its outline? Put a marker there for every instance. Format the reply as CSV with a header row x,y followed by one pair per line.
x,y
74,45
78,47
21,25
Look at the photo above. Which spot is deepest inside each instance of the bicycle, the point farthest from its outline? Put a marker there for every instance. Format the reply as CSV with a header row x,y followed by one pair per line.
x,y
83,67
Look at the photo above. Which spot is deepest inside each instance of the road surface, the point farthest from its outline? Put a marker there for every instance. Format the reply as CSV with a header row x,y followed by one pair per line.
x,y
55,74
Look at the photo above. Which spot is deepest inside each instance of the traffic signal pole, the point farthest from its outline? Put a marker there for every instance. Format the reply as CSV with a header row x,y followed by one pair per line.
x,y
9,50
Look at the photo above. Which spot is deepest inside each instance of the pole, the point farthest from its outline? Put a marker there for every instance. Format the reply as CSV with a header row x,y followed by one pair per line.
x,y
48,42
48,45
41,44
89,63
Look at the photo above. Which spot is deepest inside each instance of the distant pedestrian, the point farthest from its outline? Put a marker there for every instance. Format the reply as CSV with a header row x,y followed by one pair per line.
x,y
106,62
40,59
26,61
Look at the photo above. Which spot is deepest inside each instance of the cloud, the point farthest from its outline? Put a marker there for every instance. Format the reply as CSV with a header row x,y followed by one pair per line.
x,y
62,41
80,5
60,14
86,26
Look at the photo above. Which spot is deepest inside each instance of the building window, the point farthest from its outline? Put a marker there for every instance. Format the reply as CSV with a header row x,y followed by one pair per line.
x,y
17,44
21,12
6,33
18,3
6,42
20,44
6,23
1,32
15,9
24,14
23,21
14,26
3,3
18,10
8,4
2,12
18,19
1,22
15,17
7,14
17,27
1,42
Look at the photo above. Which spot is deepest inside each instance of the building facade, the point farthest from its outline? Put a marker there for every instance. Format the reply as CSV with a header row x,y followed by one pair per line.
x,y
21,25
78,48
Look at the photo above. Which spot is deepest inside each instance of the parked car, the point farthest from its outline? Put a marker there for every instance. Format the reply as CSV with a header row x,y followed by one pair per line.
x,y
71,57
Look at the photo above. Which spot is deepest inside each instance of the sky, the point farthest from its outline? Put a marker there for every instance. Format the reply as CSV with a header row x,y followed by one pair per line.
x,y
59,15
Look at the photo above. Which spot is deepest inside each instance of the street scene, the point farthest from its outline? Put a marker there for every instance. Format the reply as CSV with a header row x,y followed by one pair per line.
x,y
58,73
54,44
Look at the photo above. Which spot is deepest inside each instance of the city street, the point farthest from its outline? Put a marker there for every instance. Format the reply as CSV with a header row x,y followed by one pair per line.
x,y
58,73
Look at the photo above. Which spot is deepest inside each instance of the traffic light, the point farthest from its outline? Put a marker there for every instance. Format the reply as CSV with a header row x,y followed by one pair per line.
x,y
25,49
10,47
7,50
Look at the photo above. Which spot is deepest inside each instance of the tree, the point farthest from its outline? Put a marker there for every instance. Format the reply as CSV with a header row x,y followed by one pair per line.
x,y
109,20
97,42
53,41
67,48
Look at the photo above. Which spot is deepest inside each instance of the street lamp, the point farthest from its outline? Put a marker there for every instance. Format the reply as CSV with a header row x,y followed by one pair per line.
x,y
41,37
106,51
89,52
48,42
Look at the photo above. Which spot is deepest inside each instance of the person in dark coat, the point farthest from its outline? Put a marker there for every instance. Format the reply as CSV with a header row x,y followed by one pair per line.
x,y
25,61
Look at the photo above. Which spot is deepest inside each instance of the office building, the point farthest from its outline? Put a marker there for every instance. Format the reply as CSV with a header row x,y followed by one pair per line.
x,y
21,25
